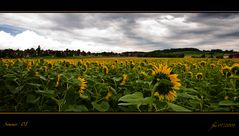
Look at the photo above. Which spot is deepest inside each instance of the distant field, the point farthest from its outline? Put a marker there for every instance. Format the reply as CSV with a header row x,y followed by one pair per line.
x,y
119,84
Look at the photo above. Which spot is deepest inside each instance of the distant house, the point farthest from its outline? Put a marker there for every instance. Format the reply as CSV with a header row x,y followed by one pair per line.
x,y
235,55
226,56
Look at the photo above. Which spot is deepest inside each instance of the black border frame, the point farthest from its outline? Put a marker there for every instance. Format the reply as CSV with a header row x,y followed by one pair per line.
x,y
158,123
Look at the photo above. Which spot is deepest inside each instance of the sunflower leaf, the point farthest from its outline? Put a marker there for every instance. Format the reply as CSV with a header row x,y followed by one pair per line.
x,y
43,78
228,103
189,90
136,99
137,96
175,107
185,95
76,108
117,79
34,84
103,106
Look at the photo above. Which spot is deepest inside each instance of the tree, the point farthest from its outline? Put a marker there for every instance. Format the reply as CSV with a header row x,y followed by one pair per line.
x,y
83,53
88,53
38,50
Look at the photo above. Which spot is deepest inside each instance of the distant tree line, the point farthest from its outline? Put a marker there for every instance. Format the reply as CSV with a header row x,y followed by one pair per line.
x,y
38,52
168,53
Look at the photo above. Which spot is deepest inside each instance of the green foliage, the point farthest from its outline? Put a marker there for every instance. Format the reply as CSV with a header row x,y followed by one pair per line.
x,y
53,85
136,99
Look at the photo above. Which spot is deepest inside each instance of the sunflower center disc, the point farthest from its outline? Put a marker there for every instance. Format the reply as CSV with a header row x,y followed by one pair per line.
x,y
164,86
160,76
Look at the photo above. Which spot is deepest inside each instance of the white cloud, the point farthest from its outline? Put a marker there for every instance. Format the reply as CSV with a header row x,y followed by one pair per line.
x,y
27,39
151,28
5,39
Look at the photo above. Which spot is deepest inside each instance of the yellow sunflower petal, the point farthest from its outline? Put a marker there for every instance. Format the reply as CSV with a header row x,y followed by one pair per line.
x,y
156,94
161,97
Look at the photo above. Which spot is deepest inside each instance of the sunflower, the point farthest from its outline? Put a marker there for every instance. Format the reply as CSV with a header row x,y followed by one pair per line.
x,y
85,66
199,76
45,68
226,71
82,85
165,83
80,62
187,68
189,74
235,69
203,63
132,65
194,66
106,70
29,66
112,66
213,66
108,95
124,78
142,64
143,75
151,72
179,64
58,80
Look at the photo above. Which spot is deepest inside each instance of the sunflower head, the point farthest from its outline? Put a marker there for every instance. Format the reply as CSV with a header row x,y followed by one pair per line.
x,y
165,83
226,71
235,69
212,66
142,64
112,66
99,64
106,70
199,76
80,62
151,72
187,68
132,65
83,85
180,64
143,75
203,63
49,65
58,80
124,78
108,95
29,66
194,66
189,75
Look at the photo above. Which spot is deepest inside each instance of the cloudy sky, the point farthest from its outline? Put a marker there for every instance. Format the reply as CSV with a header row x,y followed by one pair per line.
x,y
119,32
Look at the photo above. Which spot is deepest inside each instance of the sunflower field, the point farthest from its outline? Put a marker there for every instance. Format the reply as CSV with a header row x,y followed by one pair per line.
x,y
119,85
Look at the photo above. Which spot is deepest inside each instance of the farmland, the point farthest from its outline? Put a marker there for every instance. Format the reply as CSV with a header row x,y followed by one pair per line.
x,y
119,84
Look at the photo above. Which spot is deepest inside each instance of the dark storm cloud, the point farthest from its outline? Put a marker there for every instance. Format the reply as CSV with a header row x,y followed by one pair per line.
x,y
127,25
126,30
229,35
125,22
211,28
213,19
216,15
